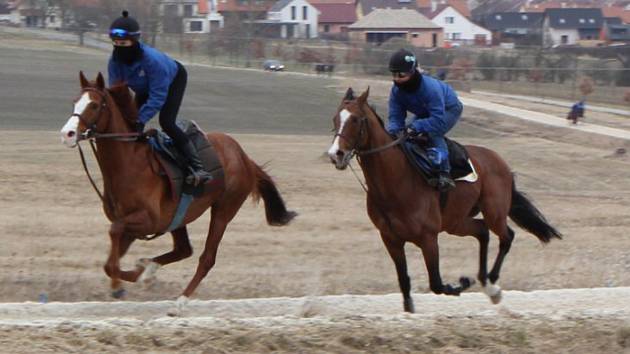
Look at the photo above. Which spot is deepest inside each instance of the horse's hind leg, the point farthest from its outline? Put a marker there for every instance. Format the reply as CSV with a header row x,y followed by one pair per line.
x,y
506,235
181,249
479,230
222,213
396,250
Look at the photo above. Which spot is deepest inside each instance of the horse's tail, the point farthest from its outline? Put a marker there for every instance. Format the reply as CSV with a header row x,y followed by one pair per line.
x,y
275,210
528,217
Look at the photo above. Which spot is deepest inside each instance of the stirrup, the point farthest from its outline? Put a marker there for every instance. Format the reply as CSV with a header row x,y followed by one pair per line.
x,y
196,178
445,184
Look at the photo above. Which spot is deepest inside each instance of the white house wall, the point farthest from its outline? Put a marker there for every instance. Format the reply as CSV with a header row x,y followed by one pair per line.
x,y
467,29
312,15
556,35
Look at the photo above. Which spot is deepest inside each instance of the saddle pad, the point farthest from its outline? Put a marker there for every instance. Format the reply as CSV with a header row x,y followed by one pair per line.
x,y
174,167
461,166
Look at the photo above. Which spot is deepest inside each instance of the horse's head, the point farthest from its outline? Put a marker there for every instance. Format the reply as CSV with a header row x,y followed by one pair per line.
x,y
88,109
351,129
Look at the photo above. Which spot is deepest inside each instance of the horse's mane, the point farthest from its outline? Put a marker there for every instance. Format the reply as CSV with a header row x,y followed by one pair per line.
x,y
123,99
380,120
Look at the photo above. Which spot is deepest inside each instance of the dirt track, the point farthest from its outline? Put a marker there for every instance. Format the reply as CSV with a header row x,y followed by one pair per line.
x,y
54,234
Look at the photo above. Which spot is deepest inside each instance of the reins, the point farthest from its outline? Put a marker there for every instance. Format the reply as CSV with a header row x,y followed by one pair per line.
x,y
91,135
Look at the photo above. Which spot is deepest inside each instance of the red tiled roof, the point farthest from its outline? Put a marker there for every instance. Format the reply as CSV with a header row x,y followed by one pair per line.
x,y
314,2
461,6
202,6
336,13
616,11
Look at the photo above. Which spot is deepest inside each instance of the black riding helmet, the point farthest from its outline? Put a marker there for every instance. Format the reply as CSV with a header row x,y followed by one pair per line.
x,y
403,61
124,27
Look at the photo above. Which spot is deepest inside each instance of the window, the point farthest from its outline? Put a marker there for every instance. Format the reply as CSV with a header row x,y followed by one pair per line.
x,y
591,20
582,20
304,12
51,19
415,35
293,12
561,20
497,17
449,19
326,28
524,17
188,10
196,26
456,36
564,39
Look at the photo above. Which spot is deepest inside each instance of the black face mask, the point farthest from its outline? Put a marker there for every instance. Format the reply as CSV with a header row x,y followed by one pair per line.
x,y
127,55
412,84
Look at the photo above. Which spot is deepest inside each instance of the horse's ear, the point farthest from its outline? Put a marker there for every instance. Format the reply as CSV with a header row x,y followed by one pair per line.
x,y
364,96
83,80
100,82
349,96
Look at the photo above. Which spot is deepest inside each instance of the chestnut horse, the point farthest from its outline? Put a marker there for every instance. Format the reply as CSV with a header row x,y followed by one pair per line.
x,y
405,208
137,200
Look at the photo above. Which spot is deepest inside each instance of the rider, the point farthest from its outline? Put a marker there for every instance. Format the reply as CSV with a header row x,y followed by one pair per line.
x,y
158,82
434,104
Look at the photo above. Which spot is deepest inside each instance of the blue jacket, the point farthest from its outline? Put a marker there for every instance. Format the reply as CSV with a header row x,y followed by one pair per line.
x,y
152,75
429,103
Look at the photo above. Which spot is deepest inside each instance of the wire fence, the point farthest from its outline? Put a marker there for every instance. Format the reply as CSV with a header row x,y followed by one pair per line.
x,y
529,71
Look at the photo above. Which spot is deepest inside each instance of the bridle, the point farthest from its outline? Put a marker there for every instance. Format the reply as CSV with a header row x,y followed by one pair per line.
x,y
91,135
355,151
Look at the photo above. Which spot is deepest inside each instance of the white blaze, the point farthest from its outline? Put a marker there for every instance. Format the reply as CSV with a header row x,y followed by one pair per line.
x,y
69,130
343,117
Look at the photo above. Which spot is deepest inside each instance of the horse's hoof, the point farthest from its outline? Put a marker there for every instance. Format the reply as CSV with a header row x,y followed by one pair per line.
x,y
148,273
119,293
494,292
178,310
466,282
408,305
496,298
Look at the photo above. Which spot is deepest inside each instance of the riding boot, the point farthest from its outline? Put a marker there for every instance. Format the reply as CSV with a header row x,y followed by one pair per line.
x,y
198,171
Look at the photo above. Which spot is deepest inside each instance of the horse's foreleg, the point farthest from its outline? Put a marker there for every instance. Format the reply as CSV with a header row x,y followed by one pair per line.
x,y
181,249
431,253
396,250
120,242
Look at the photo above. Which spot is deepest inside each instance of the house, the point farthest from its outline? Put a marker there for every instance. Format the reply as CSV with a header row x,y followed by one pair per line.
x,y
291,19
334,18
381,25
458,29
5,13
523,28
616,33
27,14
432,6
568,26
236,13
190,16
365,7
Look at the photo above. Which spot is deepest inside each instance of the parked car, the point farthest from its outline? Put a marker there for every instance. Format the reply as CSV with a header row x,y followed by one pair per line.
x,y
273,65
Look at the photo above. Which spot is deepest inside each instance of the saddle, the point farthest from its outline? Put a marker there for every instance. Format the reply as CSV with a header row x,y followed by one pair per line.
x,y
173,163
415,149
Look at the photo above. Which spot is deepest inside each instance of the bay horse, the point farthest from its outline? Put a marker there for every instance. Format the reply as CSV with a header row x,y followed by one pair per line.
x,y
137,200
404,208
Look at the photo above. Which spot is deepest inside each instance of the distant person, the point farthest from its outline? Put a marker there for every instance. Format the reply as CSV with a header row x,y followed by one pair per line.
x,y
434,104
441,73
158,82
577,111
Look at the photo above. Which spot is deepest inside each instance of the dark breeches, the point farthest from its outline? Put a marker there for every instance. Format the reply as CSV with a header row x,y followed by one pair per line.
x,y
168,113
